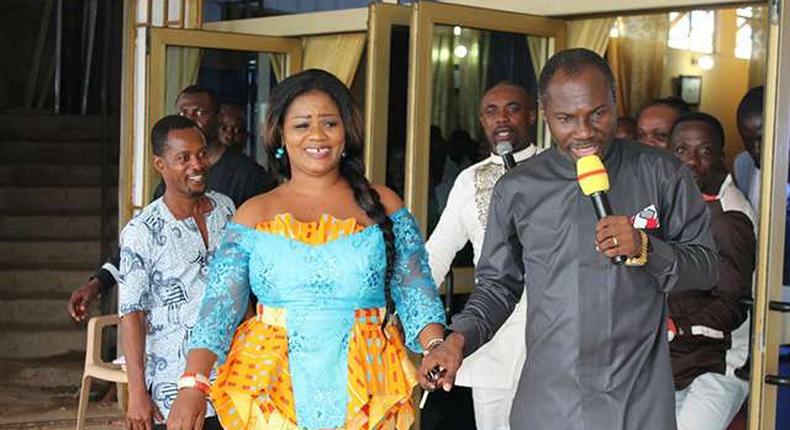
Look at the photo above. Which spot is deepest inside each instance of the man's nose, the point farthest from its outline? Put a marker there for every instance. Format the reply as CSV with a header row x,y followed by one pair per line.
x,y
199,162
693,159
191,114
503,117
583,130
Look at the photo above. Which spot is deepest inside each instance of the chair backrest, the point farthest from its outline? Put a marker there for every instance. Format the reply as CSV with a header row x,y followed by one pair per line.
x,y
96,326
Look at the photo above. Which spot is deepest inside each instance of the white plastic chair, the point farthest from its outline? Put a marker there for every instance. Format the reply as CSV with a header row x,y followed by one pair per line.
x,y
95,367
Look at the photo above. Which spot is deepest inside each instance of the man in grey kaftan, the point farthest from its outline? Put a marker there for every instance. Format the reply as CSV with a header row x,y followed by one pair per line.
x,y
596,332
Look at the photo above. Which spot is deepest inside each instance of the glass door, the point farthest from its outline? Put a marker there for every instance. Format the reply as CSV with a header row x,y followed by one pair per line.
x,y
770,372
385,99
239,69
456,52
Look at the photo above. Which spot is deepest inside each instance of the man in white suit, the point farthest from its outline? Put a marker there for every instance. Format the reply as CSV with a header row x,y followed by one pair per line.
x,y
507,111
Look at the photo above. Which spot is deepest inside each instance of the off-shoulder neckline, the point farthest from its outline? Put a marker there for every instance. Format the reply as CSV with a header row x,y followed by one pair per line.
x,y
373,227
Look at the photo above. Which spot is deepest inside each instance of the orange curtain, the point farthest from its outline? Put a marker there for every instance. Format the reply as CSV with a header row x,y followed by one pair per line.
x,y
637,59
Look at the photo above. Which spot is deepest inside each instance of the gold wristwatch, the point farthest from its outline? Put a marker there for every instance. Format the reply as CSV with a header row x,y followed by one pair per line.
x,y
641,259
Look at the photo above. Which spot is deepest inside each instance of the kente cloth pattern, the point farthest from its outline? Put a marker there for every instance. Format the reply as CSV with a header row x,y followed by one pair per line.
x,y
315,355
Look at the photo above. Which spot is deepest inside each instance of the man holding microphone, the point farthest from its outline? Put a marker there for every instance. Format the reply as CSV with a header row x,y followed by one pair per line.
x,y
596,330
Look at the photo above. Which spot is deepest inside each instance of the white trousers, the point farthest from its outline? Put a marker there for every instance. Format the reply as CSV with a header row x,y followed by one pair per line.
x,y
710,402
492,407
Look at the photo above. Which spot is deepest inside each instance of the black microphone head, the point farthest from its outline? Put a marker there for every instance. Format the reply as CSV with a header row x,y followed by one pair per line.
x,y
504,148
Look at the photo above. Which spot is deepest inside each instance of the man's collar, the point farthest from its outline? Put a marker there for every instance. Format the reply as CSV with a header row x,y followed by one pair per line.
x,y
724,183
519,156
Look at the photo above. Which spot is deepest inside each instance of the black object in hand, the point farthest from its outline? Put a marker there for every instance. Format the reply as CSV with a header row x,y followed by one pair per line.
x,y
436,373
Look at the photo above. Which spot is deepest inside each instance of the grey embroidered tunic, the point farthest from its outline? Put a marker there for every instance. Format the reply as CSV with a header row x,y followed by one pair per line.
x,y
596,332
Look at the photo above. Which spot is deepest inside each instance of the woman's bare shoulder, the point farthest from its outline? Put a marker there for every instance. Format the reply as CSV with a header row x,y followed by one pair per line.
x,y
389,199
262,207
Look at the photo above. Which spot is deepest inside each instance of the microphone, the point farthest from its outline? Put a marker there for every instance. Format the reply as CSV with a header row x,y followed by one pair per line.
x,y
594,182
505,150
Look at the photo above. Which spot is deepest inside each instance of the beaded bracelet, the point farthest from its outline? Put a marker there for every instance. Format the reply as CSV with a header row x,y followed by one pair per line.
x,y
195,380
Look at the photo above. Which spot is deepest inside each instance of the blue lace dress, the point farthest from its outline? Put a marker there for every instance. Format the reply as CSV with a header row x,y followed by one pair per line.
x,y
315,355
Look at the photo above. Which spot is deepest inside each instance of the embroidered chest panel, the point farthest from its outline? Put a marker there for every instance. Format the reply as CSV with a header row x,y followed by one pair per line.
x,y
485,179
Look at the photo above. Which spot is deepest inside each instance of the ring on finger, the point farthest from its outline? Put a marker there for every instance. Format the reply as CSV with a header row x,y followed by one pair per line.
x,y
615,242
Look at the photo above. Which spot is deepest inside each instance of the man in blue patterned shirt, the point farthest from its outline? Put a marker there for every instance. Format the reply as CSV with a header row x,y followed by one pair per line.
x,y
165,251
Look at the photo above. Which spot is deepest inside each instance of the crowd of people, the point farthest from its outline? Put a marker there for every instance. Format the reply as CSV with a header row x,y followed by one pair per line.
x,y
286,297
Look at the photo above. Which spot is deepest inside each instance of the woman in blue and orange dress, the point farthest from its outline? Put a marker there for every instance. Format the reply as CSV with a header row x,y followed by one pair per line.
x,y
330,258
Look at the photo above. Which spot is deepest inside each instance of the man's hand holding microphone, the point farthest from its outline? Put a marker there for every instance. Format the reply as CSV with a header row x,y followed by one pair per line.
x,y
615,235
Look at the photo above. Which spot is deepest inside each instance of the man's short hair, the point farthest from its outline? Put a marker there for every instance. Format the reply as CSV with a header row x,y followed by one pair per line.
x,y
164,126
715,125
673,103
508,83
572,62
752,103
197,89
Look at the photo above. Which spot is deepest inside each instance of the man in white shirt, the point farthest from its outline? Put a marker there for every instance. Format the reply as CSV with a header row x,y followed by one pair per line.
x,y
507,112
165,254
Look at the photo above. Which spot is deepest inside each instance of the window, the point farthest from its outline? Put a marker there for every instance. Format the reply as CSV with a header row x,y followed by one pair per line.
x,y
743,36
692,31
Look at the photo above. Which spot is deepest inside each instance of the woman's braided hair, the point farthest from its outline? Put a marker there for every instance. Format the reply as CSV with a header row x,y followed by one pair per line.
x,y
352,166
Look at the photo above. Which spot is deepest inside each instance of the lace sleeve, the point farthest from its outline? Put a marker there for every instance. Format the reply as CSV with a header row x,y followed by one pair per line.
x,y
413,290
227,293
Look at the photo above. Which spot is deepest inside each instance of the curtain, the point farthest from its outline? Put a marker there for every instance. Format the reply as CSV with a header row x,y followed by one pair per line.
x,y
637,61
538,53
592,34
442,64
335,53
759,24
278,66
474,70
458,83
183,65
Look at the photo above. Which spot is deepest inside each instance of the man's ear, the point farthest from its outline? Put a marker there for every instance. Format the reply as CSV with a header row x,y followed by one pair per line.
x,y
159,164
533,116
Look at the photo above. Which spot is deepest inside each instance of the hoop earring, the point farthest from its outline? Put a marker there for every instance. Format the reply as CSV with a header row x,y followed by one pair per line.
x,y
279,153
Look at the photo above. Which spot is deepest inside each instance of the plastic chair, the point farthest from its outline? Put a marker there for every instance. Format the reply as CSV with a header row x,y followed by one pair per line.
x,y
95,367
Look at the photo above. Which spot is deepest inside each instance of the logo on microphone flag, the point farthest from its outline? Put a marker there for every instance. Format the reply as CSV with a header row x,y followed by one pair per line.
x,y
647,218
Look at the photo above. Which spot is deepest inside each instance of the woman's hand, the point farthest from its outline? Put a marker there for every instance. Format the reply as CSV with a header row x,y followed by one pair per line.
x,y
141,412
188,411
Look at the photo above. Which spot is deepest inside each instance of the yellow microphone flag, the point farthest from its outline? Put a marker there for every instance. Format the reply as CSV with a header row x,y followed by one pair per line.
x,y
591,175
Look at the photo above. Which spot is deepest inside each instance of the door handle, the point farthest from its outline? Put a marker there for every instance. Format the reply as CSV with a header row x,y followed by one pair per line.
x,y
783,307
782,381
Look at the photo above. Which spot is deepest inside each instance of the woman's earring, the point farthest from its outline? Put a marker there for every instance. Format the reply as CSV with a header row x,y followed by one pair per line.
x,y
279,153
343,154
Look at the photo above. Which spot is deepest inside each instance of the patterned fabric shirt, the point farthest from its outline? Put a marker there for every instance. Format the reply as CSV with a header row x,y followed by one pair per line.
x,y
164,270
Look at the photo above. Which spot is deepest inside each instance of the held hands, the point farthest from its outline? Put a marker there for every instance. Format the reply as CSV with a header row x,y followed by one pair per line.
x,y
615,235
141,412
188,411
440,364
